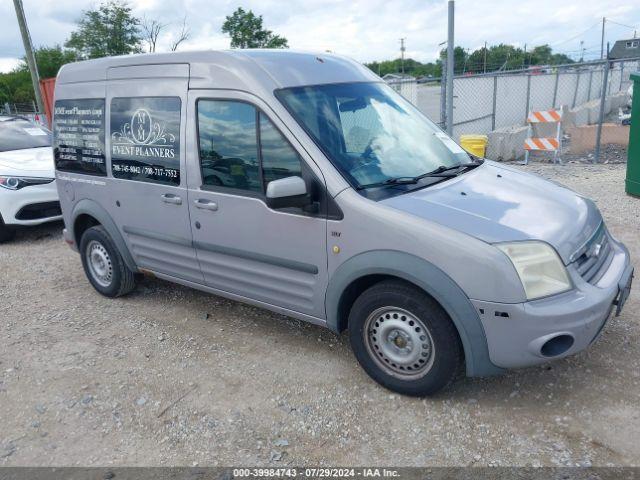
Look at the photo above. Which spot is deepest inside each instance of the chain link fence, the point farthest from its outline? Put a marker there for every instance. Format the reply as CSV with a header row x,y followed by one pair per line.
x,y
407,87
497,104
28,110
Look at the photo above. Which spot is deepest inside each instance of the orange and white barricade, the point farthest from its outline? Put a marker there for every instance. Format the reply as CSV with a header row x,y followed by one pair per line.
x,y
545,144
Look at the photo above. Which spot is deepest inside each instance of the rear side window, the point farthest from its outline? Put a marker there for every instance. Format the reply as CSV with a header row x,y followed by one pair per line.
x,y
19,134
145,139
241,148
78,136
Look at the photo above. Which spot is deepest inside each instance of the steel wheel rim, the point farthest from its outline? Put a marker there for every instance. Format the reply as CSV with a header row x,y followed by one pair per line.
x,y
99,263
399,343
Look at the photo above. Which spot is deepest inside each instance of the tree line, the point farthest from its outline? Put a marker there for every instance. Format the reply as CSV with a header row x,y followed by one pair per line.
x,y
113,29
485,59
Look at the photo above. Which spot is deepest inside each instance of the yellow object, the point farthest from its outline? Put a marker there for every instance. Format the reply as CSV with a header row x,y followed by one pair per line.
x,y
474,144
336,249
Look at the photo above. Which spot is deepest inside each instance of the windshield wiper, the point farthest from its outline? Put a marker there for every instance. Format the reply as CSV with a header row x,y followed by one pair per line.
x,y
406,180
443,168
390,181
440,172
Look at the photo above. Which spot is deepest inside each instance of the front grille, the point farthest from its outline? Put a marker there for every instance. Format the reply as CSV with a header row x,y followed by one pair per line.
x,y
36,211
595,257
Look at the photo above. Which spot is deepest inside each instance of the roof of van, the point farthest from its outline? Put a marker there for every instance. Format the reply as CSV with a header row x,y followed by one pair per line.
x,y
265,68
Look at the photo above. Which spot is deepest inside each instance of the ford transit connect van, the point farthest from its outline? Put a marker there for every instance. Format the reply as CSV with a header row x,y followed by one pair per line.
x,y
303,184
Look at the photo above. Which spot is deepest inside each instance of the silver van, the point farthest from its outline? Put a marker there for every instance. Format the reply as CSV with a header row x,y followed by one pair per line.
x,y
302,184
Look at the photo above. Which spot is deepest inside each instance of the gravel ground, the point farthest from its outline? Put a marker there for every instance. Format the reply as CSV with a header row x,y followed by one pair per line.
x,y
172,376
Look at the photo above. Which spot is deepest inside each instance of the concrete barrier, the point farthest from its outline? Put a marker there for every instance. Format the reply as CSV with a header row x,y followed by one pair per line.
x,y
507,143
583,138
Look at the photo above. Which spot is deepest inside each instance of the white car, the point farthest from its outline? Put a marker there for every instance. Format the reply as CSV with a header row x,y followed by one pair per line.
x,y
630,94
28,193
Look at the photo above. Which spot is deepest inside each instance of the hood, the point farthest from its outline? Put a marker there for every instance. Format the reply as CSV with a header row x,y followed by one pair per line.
x,y
29,161
495,203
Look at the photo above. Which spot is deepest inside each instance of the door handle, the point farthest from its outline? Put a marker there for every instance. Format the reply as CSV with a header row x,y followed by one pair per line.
x,y
171,198
206,204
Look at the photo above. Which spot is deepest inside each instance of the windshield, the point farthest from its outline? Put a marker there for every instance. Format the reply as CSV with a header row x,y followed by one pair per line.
x,y
370,133
18,134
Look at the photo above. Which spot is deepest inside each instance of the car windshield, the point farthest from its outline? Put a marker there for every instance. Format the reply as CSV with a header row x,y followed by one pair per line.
x,y
18,134
372,134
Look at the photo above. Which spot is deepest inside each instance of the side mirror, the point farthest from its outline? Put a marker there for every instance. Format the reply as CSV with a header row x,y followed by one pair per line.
x,y
287,192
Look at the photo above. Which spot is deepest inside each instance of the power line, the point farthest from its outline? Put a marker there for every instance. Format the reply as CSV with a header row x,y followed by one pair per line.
x,y
622,24
576,36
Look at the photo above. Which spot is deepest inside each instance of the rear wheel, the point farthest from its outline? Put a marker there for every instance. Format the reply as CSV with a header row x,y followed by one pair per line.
x,y
6,233
103,264
404,340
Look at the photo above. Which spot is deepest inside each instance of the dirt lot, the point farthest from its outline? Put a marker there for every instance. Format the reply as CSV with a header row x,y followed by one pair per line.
x,y
172,376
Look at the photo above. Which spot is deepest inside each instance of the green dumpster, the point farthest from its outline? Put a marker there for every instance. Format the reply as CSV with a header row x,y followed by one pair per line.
x,y
633,160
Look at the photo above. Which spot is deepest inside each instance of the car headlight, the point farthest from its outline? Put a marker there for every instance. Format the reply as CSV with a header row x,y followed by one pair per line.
x,y
16,183
539,267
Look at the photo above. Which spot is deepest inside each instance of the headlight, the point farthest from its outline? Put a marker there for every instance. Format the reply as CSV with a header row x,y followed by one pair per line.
x,y
539,267
16,183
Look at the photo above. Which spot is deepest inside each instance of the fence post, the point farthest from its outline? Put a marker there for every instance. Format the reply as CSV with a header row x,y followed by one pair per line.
x,y
603,98
590,82
555,89
621,74
495,98
443,99
526,113
450,65
575,93
609,84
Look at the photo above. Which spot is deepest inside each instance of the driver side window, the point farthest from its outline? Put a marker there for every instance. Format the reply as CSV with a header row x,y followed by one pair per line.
x,y
279,159
240,148
228,145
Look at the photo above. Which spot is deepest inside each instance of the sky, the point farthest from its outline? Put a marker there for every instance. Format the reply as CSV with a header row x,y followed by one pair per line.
x,y
365,30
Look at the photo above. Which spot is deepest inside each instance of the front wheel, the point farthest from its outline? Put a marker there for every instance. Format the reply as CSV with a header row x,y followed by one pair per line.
x,y
103,264
404,339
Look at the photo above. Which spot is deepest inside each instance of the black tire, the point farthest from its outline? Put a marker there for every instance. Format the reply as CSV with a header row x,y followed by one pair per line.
x,y
6,233
118,279
438,365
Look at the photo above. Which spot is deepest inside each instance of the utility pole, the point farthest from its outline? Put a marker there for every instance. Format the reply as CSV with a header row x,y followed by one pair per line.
x,y
602,40
450,63
524,57
28,51
581,51
485,58
402,50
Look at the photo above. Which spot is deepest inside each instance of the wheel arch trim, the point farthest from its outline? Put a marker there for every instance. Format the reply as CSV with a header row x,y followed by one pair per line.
x,y
430,279
93,209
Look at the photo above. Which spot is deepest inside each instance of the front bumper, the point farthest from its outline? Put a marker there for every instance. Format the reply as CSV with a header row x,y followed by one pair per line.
x,y
531,333
31,205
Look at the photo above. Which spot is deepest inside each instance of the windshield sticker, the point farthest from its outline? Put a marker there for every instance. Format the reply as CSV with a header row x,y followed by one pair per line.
x,y
78,136
35,131
450,144
145,139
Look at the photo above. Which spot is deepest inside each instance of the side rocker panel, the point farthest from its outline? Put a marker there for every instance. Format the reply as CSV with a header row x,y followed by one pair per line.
x,y
433,281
